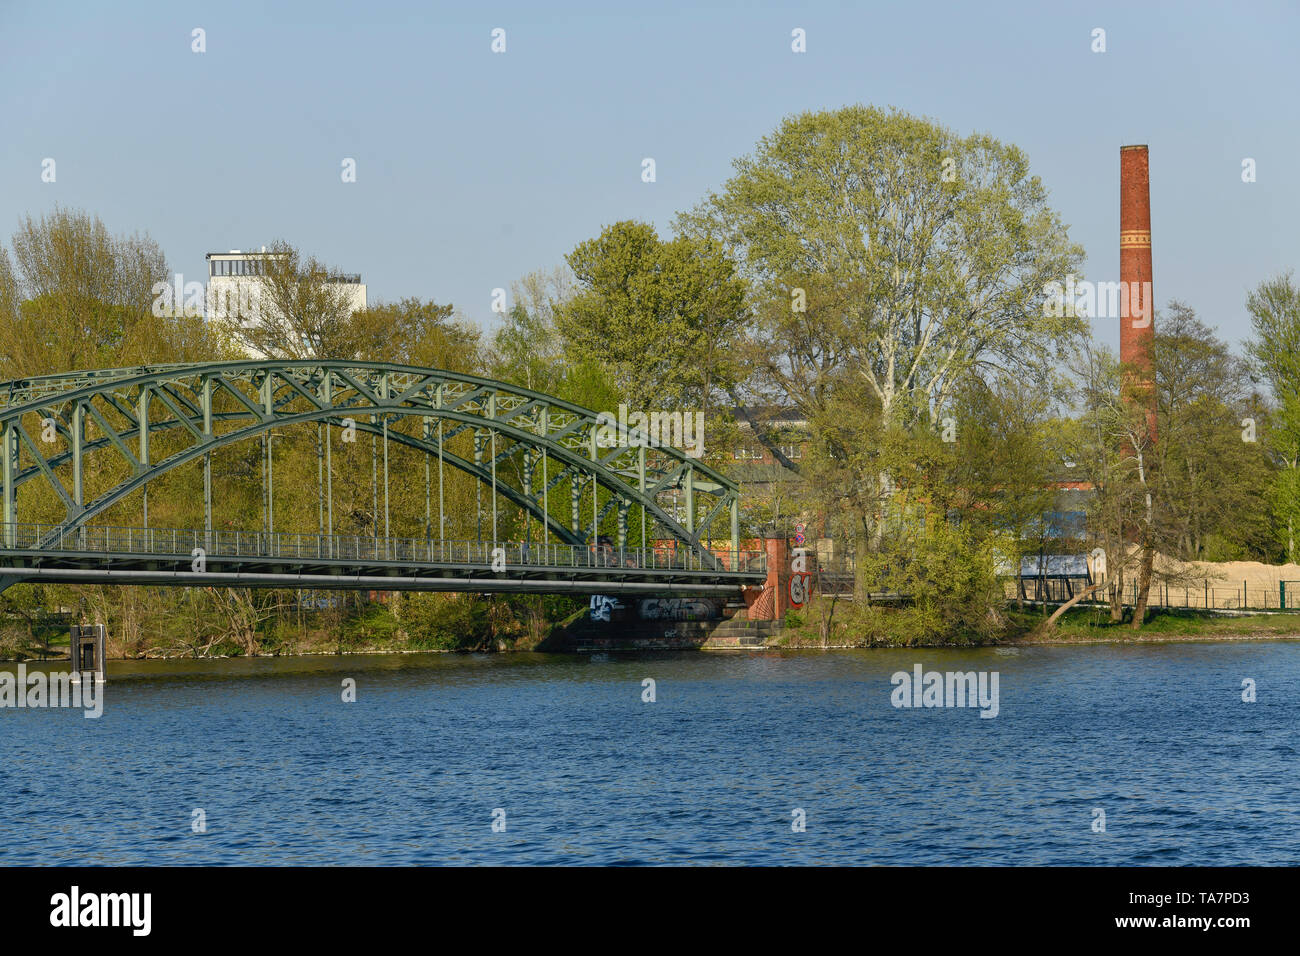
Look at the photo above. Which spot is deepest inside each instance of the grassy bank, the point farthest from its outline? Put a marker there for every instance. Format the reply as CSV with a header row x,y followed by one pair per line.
x,y
884,627
1094,626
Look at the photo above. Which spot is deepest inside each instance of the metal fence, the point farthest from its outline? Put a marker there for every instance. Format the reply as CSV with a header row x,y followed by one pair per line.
x,y
1203,596
289,545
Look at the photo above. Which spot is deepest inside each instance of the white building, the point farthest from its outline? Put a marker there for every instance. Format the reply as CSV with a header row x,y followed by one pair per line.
x,y
233,282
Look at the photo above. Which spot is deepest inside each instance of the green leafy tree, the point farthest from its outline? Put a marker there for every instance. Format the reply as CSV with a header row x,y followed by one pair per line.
x,y
412,331
1274,308
527,348
1009,450
1212,473
298,310
659,316
889,259
75,296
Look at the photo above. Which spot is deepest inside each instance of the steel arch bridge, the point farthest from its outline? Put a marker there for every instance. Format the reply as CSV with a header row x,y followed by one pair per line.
x,y
526,445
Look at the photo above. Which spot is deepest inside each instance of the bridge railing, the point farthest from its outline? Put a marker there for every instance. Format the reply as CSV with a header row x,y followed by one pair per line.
x,y
289,546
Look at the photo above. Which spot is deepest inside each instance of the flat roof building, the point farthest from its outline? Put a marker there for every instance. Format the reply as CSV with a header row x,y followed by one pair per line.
x,y
231,278
234,283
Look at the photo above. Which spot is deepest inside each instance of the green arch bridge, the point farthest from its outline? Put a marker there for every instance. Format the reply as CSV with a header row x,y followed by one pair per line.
x,y
86,442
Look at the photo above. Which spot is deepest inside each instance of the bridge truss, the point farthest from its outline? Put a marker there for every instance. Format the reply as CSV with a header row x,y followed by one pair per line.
x,y
136,425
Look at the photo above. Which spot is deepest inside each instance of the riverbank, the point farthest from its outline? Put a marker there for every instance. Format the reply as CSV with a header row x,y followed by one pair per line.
x,y
1094,627
1084,626
1078,627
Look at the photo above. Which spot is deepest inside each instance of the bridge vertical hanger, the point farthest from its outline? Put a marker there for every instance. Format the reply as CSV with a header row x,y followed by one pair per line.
x,y
428,483
442,513
492,432
374,480
735,533
327,396
478,486
78,472
384,395
267,410
546,487
690,499
9,454
575,495
622,526
320,478
640,485
595,517
206,401
143,416
529,460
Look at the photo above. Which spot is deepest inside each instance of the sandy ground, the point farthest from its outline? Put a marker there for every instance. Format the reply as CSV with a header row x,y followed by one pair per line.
x,y
1226,580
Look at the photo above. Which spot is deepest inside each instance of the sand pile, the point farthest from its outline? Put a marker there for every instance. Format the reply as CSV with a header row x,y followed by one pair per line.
x,y
1220,583
1228,573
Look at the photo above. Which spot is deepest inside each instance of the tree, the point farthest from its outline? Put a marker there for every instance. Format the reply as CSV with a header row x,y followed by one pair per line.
x,y
887,257
527,349
659,316
75,297
1197,492
1284,442
1009,451
411,331
1111,445
1213,473
299,309
1274,308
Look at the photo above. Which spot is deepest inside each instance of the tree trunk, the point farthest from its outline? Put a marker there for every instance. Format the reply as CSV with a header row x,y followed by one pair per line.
x,y
861,560
1117,598
1050,623
1144,587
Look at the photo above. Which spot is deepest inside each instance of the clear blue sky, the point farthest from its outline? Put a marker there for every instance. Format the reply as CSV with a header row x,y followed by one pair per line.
x,y
475,168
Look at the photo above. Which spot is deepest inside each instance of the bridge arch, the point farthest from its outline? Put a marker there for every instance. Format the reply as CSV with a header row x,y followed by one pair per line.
x,y
209,406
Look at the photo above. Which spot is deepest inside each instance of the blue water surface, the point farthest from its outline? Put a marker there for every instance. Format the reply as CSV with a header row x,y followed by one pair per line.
x,y
586,772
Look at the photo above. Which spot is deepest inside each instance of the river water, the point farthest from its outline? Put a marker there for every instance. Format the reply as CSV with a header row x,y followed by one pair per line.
x,y
586,772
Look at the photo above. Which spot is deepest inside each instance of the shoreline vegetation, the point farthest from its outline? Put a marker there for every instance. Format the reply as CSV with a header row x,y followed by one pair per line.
x,y
1088,625
379,633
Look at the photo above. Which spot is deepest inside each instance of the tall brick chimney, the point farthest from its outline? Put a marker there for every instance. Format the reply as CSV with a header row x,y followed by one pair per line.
x,y
1137,324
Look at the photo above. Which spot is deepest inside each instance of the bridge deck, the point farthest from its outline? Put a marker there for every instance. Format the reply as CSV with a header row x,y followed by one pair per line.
x,y
197,558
